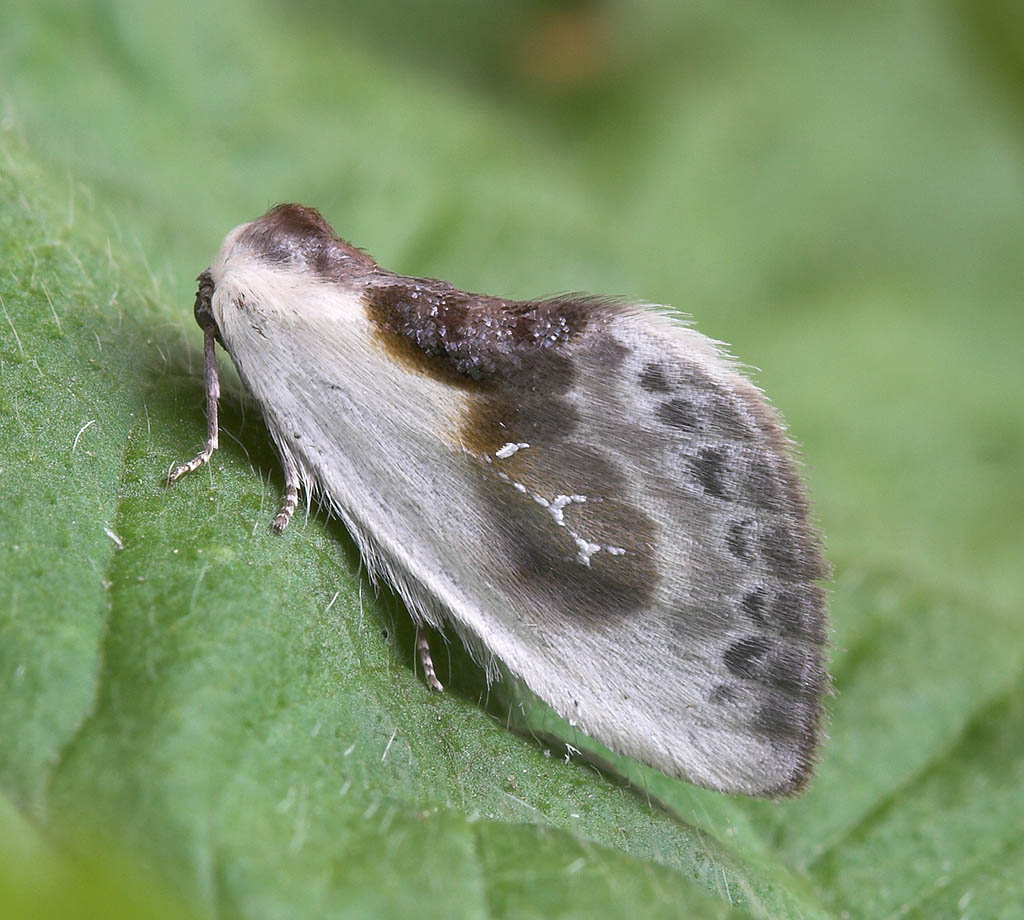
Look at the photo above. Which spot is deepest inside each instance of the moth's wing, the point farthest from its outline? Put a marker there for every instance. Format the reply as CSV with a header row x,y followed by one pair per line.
x,y
616,518
654,567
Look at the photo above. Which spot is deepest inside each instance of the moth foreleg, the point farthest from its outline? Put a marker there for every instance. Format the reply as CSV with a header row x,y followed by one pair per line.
x,y
212,396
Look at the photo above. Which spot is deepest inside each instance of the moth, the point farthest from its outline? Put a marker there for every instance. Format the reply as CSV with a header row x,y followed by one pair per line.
x,y
584,489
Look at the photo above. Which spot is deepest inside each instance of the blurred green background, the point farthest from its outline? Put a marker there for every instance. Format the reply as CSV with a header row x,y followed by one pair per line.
x,y
194,707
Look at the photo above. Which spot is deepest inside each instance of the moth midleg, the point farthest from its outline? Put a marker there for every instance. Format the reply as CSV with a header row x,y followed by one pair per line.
x,y
291,494
212,396
423,648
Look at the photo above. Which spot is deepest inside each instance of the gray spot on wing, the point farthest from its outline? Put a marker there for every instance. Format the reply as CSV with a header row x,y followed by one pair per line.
x,y
689,376
787,666
786,718
745,657
653,378
799,611
726,419
737,539
761,486
753,605
789,551
709,467
793,610
680,414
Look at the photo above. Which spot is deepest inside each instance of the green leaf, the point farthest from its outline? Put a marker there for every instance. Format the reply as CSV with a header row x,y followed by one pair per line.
x,y
188,698
37,880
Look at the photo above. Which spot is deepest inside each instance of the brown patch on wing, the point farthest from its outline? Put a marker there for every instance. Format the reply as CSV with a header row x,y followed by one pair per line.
x,y
542,557
476,341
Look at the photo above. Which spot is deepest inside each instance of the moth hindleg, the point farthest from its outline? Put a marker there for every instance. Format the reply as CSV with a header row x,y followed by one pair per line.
x,y
291,494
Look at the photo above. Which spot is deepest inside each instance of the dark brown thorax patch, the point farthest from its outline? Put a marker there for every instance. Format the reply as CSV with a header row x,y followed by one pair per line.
x,y
295,235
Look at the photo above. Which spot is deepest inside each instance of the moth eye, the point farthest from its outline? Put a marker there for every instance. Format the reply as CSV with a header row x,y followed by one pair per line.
x,y
653,380
679,413
737,539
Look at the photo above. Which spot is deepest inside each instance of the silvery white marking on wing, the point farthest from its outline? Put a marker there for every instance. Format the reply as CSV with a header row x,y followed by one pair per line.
x,y
586,550
581,470
558,505
503,453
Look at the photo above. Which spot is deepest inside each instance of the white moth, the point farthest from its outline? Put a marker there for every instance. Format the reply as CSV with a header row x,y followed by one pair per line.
x,y
587,491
